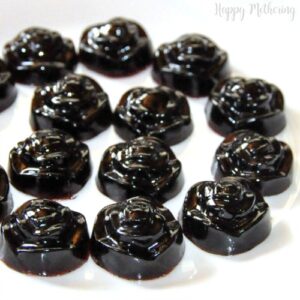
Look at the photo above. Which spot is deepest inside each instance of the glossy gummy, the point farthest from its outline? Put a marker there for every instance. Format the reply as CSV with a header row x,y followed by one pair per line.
x,y
160,112
192,64
265,161
225,217
119,47
75,104
144,166
6,203
49,164
8,91
38,55
137,239
43,237
239,103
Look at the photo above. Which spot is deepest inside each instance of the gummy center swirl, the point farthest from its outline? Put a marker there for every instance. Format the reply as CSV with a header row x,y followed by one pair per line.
x,y
231,204
241,99
41,220
229,200
143,163
48,149
117,38
195,53
137,218
257,152
137,226
74,97
38,44
154,109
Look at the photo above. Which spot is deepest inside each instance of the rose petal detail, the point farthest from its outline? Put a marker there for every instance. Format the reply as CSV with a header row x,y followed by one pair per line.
x,y
75,104
118,47
160,112
44,238
192,64
142,167
38,55
239,103
263,160
50,164
225,217
138,234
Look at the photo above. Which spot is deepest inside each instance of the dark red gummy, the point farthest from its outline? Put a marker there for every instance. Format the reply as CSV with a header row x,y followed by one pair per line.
x,y
137,239
75,104
8,91
6,203
141,167
265,161
239,103
160,112
38,55
226,217
50,164
118,47
44,238
192,64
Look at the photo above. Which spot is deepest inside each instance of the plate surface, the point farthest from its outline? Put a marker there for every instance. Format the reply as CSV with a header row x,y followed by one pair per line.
x,y
259,46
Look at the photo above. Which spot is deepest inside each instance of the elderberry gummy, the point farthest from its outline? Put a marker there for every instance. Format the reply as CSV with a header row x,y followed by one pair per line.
x,y
118,47
144,166
192,64
8,91
239,103
137,239
265,161
38,55
49,164
160,112
225,217
43,237
6,203
75,104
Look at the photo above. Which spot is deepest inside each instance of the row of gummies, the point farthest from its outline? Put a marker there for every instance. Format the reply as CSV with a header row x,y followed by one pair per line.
x,y
137,237
193,64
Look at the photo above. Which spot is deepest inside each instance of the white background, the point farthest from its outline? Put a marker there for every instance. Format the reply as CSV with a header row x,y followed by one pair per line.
x,y
265,47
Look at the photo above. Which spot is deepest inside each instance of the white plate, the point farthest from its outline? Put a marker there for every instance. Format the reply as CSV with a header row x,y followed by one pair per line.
x,y
258,47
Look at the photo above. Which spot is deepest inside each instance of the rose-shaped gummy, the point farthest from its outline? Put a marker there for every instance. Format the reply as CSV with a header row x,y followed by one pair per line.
x,y
263,160
160,112
76,104
226,217
118,47
49,164
142,167
6,203
238,103
8,91
38,55
192,64
137,239
44,238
